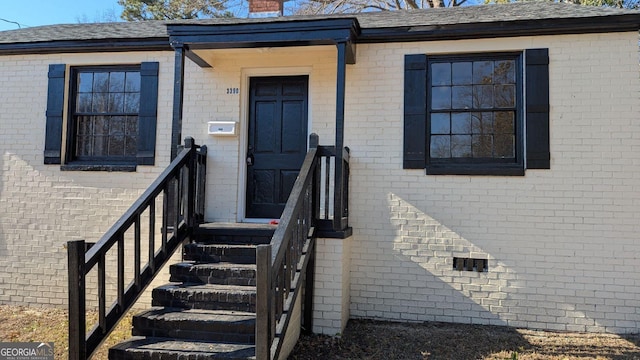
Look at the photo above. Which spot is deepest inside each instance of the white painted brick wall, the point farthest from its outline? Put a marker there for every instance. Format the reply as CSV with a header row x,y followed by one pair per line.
x,y
43,207
561,243
331,286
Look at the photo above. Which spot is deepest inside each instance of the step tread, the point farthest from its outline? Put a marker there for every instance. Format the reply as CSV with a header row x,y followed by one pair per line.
x,y
214,273
236,253
224,246
195,315
205,296
165,348
237,226
230,326
219,265
207,288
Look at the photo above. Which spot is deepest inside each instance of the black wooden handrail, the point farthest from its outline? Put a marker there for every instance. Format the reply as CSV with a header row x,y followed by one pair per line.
x,y
182,185
287,262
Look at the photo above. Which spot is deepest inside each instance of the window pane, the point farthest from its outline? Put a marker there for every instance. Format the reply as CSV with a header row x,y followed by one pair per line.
x,y
461,123
482,146
461,97
131,102
130,145
504,122
440,146
505,96
462,73
100,145
117,125
482,122
116,102
101,82
116,145
440,123
83,102
504,146
483,72
460,146
100,102
131,126
441,74
83,145
132,82
85,82
483,96
440,98
505,72
116,82
85,125
100,125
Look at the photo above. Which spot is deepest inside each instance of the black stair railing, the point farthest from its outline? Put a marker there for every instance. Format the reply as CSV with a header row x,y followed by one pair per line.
x,y
286,265
181,187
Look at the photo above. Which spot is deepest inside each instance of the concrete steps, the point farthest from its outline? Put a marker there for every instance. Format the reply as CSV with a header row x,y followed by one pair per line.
x,y
214,273
152,348
196,324
205,296
208,309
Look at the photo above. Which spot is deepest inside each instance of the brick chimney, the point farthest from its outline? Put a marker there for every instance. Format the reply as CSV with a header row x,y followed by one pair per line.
x,y
265,8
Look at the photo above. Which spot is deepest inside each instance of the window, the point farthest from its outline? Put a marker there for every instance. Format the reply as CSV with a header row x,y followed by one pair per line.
x,y
465,114
473,104
112,117
104,115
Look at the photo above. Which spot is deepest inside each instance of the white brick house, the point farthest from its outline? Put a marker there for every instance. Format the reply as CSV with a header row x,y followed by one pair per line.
x,y
525,117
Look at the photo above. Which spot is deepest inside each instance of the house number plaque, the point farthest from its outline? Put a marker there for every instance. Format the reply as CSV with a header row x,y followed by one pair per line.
x,y
233,91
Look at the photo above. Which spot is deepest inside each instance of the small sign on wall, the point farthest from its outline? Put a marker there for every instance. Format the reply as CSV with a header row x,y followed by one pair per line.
x,y
222,128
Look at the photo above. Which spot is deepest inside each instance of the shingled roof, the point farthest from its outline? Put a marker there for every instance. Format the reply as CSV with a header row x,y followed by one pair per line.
x,y
482,14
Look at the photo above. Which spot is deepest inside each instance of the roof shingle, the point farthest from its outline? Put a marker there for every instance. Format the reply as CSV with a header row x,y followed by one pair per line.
x,y
521,11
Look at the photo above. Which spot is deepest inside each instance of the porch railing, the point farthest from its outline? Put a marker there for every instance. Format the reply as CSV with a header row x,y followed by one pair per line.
x,y
180,189
286,264
333,217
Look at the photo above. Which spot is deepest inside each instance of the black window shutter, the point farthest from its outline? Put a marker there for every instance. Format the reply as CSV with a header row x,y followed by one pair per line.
x,y
55,106
537,107
147,117
415,111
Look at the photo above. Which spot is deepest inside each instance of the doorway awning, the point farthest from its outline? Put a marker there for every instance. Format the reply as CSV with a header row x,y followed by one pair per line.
x,y
272,32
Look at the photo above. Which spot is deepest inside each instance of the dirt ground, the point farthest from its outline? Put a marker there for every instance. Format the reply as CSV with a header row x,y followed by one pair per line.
x,y
364,339
26,324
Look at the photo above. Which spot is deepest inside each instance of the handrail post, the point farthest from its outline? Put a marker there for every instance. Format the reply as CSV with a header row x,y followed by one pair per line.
x,y
263,302
316,180
77,305
189,215
201,182
345,187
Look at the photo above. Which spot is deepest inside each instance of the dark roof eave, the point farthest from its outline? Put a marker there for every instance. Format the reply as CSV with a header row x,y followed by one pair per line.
x,y
276,33
585,25
86,46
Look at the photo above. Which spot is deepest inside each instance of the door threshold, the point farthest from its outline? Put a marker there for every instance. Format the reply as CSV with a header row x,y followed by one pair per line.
x,y
259,221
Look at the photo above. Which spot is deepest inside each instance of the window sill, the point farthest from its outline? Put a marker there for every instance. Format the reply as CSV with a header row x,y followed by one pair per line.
x,y
486,170
99,167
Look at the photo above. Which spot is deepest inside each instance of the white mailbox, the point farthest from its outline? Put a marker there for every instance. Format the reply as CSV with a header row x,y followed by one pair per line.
x,y
222,128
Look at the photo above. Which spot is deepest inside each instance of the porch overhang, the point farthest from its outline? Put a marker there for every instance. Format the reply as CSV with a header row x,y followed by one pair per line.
x,y
194,37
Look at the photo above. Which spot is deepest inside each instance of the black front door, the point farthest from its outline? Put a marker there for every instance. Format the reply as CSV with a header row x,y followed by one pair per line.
x,y
277,142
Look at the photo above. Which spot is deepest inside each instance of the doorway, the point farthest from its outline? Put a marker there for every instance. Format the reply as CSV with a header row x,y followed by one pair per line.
x,y
277,142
